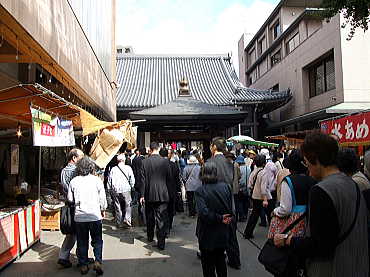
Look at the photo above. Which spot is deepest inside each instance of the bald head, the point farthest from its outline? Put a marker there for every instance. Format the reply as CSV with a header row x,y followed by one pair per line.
x,y
75,155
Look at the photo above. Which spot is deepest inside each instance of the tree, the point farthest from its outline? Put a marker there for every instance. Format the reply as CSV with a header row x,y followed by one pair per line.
x,y
355,12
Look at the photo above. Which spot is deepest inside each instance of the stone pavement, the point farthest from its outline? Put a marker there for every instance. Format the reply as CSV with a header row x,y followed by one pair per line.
x,y
127,253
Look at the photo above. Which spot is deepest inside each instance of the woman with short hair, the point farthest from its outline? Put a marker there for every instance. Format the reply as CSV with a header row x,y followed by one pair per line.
x,y
87,193
214,205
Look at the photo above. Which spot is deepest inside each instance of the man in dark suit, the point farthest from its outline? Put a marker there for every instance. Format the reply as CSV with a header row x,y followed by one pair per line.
x,y
137,167
173,185
155,193
225,172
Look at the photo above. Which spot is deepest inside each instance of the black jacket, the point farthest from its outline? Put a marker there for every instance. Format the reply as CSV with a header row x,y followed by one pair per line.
x,y
137,167
225,169
212,202
174,180
155,179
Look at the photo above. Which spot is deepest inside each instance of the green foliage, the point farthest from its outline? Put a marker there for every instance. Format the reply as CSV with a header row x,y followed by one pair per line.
x,y
355,12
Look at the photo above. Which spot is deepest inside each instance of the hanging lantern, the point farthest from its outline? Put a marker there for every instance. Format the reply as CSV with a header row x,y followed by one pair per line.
x,y
19,130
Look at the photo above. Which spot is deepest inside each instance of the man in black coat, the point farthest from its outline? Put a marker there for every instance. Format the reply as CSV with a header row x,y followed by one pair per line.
x,y
155,193
225,172
173,185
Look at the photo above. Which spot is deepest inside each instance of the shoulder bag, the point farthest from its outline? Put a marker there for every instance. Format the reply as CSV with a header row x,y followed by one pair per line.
x,y
134,193
279,260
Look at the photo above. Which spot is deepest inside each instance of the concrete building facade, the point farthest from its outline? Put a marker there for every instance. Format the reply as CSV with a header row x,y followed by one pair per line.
x,y
297,49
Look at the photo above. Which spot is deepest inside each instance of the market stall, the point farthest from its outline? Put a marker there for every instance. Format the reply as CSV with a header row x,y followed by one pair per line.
x,y
24,130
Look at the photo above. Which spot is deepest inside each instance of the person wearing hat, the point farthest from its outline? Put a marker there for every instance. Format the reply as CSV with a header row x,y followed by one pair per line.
x,y
249,159
192,182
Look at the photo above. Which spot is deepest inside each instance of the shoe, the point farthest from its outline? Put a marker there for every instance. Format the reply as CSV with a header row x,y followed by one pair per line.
x,y
84,269
199,254
65,263
160,247
89,260
127,223
150,239
98,268
237,267
262,224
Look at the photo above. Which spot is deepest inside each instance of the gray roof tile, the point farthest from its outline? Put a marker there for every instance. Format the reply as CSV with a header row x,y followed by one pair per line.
x,y
148,81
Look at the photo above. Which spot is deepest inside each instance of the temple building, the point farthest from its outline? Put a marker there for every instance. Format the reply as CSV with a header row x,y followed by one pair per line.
x,y
189,99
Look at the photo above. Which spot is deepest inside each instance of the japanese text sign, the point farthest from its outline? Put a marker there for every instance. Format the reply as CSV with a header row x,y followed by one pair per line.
x,y
349,129
51,131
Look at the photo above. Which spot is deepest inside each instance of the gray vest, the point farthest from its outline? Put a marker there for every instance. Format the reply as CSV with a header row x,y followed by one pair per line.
x,y
351,256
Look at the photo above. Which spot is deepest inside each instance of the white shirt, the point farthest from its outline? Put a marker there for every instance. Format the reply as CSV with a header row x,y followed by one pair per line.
x,y
88,195
285,207
117,182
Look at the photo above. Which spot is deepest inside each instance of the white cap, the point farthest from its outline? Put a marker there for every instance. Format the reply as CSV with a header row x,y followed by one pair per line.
x,y
265,152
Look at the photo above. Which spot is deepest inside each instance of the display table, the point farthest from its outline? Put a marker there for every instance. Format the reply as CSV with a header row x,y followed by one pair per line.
x,y
19,230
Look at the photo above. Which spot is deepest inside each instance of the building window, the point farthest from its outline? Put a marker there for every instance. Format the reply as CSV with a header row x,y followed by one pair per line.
x,y
252,57
292,43
276,58
275,88
322,76
276,30
261,46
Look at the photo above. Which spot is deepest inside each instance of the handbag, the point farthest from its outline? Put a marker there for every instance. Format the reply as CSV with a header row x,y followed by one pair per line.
x,y
276,260
280,260
278,224
67,222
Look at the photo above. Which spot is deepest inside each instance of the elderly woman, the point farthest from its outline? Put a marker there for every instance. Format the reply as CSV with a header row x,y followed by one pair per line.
x,y
87,193
192,182
214,205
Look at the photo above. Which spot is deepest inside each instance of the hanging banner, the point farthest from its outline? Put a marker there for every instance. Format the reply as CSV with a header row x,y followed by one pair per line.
x,y
350,130
51,131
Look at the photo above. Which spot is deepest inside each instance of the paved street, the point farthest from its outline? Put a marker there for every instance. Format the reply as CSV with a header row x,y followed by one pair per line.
x,y
126,253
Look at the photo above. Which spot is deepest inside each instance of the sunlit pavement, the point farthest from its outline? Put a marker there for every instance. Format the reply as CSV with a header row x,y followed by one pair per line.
x,y
127,253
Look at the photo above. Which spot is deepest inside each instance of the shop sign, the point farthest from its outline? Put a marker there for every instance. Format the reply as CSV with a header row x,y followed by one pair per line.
x,y
352,129
51,130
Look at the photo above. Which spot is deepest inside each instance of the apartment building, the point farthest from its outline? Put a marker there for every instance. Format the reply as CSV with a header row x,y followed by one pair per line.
x,y
299,50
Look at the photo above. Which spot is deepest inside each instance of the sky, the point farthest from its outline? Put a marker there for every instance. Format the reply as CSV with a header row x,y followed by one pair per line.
x,y
189,26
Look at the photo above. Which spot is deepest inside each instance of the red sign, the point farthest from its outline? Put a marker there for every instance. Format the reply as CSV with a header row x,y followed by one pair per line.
x,y
349,129
47,130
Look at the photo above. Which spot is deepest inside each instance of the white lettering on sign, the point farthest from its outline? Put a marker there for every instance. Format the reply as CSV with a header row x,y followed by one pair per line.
x,y
350,133
362,130
336,130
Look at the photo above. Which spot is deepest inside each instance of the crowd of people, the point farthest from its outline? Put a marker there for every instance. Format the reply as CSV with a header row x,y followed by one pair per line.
x,y
320,188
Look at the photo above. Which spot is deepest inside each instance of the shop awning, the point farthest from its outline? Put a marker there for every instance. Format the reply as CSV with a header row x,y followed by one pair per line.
x,y
15,105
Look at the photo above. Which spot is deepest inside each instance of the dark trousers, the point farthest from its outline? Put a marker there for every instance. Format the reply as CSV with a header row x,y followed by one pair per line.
x,y
191,202
232,251
171,213
241,206
157,217
82,231
214,261
256,211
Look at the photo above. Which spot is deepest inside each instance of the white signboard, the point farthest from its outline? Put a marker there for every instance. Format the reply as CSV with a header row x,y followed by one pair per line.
x,y
51,131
